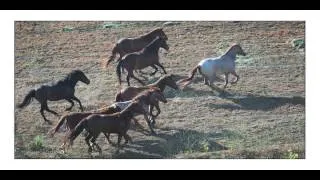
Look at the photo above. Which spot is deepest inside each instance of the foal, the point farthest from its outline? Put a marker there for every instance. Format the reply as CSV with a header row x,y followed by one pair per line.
x,y
211,67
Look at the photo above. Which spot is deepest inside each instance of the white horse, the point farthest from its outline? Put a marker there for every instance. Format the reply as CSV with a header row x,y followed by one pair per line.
x,y
211,68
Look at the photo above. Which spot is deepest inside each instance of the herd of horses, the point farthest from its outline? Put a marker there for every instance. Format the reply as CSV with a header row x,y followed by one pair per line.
x,y
134,54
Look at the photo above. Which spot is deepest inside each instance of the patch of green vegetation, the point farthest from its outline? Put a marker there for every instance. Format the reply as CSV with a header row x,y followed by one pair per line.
x,y
291,155
67,29
298,43
37,143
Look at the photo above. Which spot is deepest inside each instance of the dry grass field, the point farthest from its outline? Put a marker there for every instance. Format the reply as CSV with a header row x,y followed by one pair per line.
x,y
262,116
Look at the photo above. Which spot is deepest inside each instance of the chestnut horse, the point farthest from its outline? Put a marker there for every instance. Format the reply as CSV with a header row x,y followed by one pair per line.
x,y
148,56
118,123
130,92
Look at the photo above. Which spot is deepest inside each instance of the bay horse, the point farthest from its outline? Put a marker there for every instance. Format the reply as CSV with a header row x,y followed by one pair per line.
x,y
118,123
130,92
130,45
62,89
148,56
72,119
210,68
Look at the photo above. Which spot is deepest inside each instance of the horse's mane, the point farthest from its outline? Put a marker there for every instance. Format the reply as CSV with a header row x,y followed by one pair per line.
x,y
134,102
69,76
232,45
151,32
151,43
160,79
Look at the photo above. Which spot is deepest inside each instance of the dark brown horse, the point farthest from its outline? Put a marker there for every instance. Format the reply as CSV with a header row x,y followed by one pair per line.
x,y
148,56
129,93
130,45
118,123
63,89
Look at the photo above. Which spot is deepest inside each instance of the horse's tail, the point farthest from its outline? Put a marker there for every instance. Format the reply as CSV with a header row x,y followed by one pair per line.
x,y
187,81
60,123
119,71
76,131
113,55
27,99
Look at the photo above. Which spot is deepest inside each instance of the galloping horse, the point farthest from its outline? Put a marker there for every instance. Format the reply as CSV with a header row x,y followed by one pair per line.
x,y
210,68
128,93
63,89
130,45
118,123
148,56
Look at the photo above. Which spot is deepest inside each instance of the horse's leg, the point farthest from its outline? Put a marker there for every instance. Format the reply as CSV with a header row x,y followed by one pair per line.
x,y
127,138
42,113
160,65
149,124
155,70
236,75
152,117
93,140
107,135
139,80
72,104
205,80
159,111
128,79
49,110
89,136
76,99
119,139
226,79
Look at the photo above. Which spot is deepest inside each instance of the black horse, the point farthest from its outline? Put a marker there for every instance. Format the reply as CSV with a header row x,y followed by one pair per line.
x,y
63,89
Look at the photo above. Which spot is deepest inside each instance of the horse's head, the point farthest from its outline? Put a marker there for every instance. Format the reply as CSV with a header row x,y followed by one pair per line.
x,y
80,76
161,33
163,43
238,49
168,80
157,95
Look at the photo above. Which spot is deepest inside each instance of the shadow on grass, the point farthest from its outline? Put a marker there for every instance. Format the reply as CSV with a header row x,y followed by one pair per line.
x,y
253,102
170,142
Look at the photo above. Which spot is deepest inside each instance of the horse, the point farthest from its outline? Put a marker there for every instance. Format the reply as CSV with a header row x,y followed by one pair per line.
x,y
130,45
210,68
72,119
62,89
148,56
130,92
118,123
